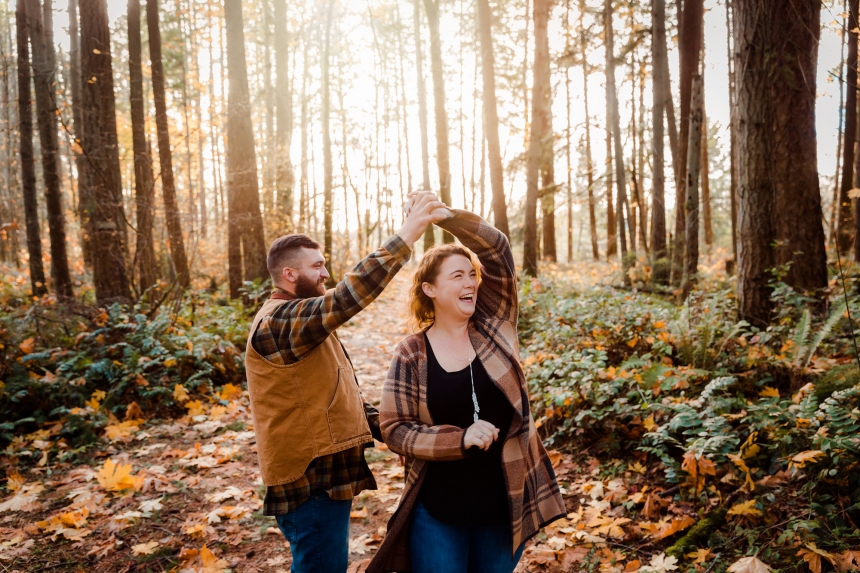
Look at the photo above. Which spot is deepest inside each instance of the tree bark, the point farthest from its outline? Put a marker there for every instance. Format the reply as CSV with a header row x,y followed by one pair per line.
x,y
143,179
589,164
539,131
38,284
611,237
77,129
831,232
845,220
547,139
44,64
615,122
441,116
691,205
690,48
326,134
429,234
168,184
241,157
491,117
102,150
733,100
284,175
778,192
659,267
706,183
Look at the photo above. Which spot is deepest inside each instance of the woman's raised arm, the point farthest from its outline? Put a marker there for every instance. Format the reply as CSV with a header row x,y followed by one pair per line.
x,y
498,297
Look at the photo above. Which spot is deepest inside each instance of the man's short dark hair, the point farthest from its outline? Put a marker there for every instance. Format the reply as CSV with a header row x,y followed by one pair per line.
x,y
283,252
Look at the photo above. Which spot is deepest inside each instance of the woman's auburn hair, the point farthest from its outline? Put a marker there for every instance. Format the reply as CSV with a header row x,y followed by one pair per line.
x,y
421,309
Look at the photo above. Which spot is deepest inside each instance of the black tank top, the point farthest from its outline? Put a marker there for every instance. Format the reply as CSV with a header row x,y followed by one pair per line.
x,y
470,491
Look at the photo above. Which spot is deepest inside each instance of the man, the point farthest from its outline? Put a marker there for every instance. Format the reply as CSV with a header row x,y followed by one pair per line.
x,y
309,418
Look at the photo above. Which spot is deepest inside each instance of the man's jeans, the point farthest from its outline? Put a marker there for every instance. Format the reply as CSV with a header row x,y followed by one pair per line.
x,y
318,532
440,548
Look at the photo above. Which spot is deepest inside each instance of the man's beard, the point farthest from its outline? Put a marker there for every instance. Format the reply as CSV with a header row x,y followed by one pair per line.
x,y
309,288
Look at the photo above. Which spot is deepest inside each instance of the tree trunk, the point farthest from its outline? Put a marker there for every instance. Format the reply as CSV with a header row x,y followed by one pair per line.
x,y
42,43
38,285
660,268
799,227
568,129
284,175
611,237
845,220
491,117
733,101
438,72
615,123
691,205
706,183
429,236
326,134
539,132
77,129
168,184
690,48
831,232
589,165
778,193
102,150
241,157
547,137
143,180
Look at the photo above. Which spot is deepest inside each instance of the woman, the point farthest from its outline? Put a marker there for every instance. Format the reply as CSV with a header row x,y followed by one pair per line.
x,y
455,405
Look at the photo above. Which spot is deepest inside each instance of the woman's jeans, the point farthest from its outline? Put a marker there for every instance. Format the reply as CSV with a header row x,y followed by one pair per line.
x,y
440,548
318,532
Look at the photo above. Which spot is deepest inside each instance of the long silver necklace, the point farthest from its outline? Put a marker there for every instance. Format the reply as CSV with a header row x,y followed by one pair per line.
x,y
472,378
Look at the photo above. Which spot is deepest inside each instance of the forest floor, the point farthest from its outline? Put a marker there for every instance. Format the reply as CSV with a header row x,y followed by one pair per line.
x,y
194,488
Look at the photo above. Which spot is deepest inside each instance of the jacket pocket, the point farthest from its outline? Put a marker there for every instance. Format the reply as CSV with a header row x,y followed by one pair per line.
x,y
346,420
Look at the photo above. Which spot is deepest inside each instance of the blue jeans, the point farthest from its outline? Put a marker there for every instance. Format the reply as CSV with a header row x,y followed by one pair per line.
x,y
440,548
318,532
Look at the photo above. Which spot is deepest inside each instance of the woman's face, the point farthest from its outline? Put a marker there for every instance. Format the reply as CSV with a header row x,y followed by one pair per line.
x,y
455,290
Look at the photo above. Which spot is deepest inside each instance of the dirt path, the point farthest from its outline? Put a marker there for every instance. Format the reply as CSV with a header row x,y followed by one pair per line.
x,y
188,491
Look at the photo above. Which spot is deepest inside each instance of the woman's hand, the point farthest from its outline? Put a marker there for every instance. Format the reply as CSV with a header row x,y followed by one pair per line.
x,y
481,434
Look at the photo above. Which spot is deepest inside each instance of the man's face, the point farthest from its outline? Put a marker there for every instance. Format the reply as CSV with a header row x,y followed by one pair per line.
x,y
308,280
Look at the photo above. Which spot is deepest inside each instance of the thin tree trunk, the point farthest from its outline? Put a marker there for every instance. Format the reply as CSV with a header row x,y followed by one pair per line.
x,y
491,116
42,43
660,269
241,163
611,237
690,48
539,131
569,194
326,133
431,7
615,122
143,180
429,234
102,150
192,204
589,165
733,129
694,161
168,184
38,284
77,128
831,236
640,160
284,175
706,183
304,219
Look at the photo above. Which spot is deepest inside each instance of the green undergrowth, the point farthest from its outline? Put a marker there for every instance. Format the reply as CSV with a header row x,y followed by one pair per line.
x,y
767,416
68,369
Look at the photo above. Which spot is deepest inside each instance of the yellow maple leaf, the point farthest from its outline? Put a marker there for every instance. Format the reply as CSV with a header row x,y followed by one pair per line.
x,y
673,526
700,555
195,408
230,392
637,467
211,563
649,423
179,393
768,392
144,548
115,432
750,564
812,555
745,508
803,458
750,448
741,465
170,363
28,345
113,477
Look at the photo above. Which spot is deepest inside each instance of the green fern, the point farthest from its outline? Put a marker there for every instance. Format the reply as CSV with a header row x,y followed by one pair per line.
x,y
828,326
801,335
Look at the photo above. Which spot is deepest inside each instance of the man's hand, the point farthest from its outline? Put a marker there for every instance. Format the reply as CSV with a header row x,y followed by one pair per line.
x,y
422,209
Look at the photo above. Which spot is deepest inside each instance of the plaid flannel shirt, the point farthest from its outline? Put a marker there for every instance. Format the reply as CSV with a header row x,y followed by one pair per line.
x,y
291,333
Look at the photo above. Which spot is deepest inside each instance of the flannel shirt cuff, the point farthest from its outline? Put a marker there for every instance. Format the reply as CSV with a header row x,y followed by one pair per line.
x,y
397,248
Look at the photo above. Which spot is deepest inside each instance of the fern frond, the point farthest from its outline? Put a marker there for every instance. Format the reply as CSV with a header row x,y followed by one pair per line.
x,y
826,328
800,336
